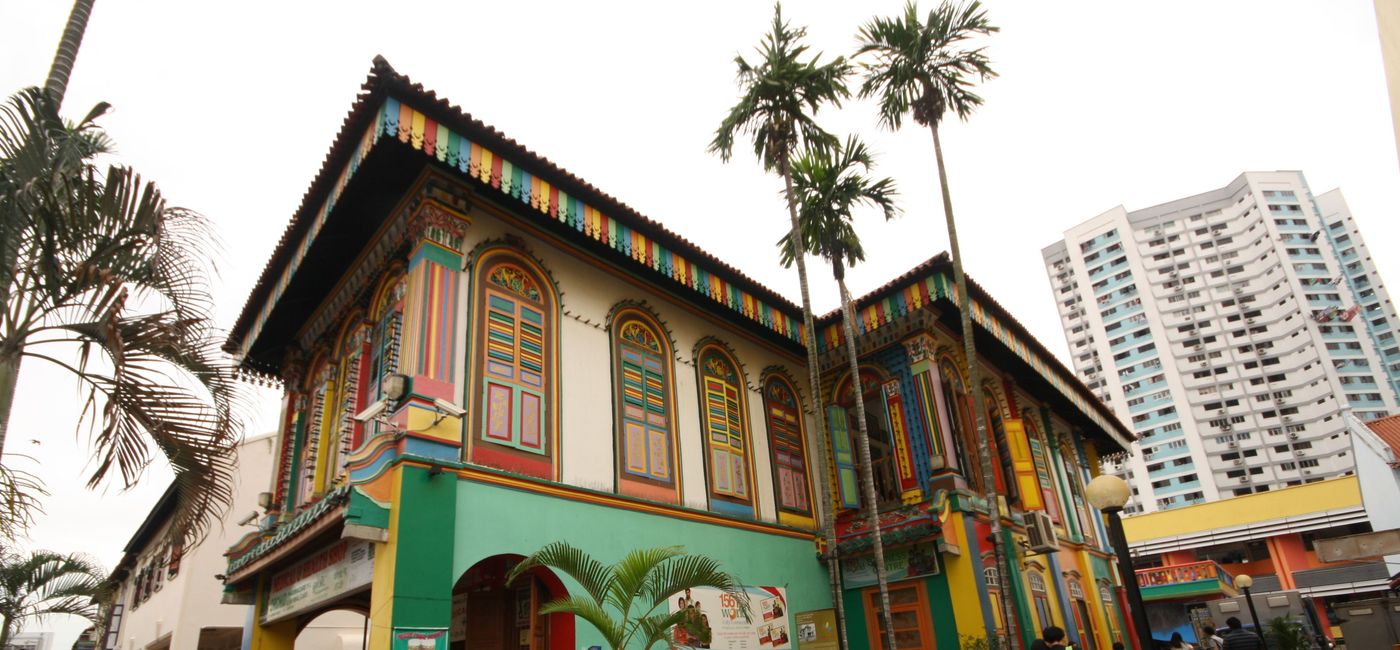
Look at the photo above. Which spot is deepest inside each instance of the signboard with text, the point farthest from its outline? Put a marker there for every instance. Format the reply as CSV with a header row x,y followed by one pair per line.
x,y
816,630
900,564
340,569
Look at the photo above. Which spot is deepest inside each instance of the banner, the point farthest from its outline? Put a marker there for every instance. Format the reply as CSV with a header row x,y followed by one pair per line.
x,y
342,568
900,564
765,628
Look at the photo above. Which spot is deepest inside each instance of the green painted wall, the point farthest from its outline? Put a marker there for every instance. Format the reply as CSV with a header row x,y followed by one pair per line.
x,y
423,576
857,633
492,520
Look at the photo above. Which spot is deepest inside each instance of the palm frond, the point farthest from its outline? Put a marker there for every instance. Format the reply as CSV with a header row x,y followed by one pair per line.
x,y
829,184
591,612
595,577
632,573
20,494
79,245
657,628
45,583
922,65
689,572
780,95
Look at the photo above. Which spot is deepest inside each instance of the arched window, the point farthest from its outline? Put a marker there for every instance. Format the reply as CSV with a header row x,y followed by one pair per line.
x,y
646,444
319,393
515,367
992,577
351,394
726,431
386,317
955,396
786,440
1041,596
1007,468
1110,609
877,429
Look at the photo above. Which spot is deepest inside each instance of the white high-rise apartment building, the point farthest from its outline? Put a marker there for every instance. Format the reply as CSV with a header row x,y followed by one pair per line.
x,y
1230,330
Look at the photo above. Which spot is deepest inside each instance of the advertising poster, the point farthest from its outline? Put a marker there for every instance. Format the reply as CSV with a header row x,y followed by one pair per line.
x,y
767,626
816,630
900,564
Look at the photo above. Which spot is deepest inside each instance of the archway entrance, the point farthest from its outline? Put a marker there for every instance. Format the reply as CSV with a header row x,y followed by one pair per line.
x,y
336,629
488,614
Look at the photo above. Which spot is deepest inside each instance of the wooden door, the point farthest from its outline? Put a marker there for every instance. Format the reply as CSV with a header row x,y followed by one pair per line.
x,y
913,628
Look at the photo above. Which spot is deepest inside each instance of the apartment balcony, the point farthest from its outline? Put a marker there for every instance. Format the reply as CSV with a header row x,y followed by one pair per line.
x,y
1191,580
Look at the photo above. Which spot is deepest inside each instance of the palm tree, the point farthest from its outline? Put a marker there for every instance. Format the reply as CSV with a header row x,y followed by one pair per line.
x,y
45,583
925,67
67,53
634,588
780,97
77,244
829,182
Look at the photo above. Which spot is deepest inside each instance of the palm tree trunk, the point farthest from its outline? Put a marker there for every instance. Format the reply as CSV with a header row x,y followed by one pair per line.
x,y
867,477
989,485
9,378
815,401
67,53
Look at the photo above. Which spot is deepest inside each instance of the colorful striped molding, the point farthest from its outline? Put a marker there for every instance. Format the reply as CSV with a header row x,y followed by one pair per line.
x,y
410,126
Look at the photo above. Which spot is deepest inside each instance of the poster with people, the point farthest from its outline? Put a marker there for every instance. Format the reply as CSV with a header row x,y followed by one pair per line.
x,y
765,628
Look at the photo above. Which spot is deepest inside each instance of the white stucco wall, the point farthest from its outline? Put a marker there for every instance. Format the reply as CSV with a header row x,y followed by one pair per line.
x,y
587,294
190,602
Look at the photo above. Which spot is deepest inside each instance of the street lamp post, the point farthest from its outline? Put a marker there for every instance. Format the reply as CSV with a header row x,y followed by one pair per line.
x,y
1108,494
1243,583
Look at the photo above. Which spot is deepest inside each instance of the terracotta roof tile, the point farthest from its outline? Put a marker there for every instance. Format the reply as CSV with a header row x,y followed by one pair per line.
x,y
1388,430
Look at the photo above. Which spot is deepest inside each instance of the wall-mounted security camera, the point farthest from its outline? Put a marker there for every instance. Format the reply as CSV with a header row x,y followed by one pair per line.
x,y
372,411
448,408
252,517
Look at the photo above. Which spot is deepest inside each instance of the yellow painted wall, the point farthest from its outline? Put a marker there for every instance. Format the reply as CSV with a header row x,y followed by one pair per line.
x,y
962,583
1317,497
381,595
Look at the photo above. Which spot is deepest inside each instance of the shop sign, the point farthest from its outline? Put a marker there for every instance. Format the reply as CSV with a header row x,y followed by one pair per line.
x,y
337,570
419,638
816,630
766,627
900,564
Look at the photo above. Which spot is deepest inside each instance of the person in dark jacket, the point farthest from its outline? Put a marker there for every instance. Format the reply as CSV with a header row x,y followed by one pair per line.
x,y
1237,638
1051,637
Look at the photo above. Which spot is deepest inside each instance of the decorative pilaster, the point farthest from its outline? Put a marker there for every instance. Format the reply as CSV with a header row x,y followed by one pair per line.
x,y
928,393
429,351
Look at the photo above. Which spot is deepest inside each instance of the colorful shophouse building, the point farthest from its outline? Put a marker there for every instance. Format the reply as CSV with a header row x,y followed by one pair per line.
x,y
562,368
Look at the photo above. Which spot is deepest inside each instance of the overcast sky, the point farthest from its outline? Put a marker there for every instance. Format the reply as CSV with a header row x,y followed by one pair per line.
x,y
232,106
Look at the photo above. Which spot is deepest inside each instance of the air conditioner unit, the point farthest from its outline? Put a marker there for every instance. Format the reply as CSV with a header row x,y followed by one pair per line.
x,y
1040,532
1307,471
1244,479
1299,452
1249,321
1200,347
1287,418
1239,462
1278,400
1233,445
1292,436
